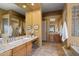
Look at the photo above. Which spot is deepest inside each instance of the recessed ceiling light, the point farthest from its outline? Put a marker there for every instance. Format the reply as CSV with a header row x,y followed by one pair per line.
x,y
24,6
32,4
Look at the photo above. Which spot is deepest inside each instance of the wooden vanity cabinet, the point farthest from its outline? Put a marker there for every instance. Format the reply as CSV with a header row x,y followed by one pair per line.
x,y
50,38
23,50
20,50
6,53
57,38
29,48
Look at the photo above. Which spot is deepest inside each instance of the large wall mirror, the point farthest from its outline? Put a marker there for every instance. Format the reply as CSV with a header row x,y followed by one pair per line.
x,y
5,25
52,24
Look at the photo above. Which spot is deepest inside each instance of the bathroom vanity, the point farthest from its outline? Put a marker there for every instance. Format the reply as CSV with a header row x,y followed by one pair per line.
x,y
21,47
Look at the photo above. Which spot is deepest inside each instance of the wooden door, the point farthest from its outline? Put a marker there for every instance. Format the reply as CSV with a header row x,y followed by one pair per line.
x,y
50,38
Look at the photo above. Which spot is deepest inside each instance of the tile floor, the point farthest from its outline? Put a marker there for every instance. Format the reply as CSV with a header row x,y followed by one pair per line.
x,y
49,49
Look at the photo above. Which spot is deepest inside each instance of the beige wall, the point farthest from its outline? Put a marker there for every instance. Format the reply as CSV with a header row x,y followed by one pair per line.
x,y
35,18
58,23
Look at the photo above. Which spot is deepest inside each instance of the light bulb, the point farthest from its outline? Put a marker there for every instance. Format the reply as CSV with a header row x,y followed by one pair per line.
x,y
24,6
32,4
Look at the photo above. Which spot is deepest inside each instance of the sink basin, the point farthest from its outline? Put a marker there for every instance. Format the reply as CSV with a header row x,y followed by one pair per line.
x,y
27,37
11,40
17,38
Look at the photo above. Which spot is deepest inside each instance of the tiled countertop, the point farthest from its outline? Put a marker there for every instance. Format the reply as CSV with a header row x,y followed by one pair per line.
x,y
16,43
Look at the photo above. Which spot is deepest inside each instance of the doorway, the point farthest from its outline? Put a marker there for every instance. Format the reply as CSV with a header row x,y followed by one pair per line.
x,y
50,29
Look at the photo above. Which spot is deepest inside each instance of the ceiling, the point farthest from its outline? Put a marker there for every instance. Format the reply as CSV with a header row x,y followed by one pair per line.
x,y
11,6
46,7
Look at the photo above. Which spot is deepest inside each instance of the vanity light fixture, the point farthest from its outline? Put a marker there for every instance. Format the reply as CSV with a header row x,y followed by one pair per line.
x,y
52,19
24,6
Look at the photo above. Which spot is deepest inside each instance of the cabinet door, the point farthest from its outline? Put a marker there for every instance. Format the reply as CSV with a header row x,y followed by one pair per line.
x,y
57,38
29,48
7,53
20,50
51,38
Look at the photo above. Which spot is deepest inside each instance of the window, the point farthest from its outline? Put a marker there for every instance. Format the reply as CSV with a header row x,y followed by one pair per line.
x,y
75,21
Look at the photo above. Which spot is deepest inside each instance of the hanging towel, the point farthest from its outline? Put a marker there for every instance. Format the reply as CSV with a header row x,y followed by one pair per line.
x,y
60,32
64,32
